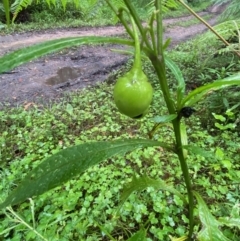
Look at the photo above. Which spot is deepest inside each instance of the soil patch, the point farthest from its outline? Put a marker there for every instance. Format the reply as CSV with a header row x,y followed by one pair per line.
x,y
49,77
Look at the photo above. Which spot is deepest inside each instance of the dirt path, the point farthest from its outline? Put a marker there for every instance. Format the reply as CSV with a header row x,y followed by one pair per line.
x,y
47,78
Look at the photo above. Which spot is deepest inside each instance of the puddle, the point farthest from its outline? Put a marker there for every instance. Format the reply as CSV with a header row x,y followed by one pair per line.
x,y
64,74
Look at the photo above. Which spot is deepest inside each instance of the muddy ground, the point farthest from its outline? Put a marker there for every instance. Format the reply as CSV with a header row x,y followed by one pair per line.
x,y
49,77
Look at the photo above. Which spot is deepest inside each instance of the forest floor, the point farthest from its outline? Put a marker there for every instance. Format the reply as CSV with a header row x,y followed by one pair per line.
x,y
49,77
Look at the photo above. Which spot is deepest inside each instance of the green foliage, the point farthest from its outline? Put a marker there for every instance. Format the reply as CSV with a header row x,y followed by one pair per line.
x,y
84,6
96,192
35,133
201,63
197,94
210,225
181,85
66,164
224,123
75,13
230,31
232,10
18,6
86,208
167,5
138,236
143,182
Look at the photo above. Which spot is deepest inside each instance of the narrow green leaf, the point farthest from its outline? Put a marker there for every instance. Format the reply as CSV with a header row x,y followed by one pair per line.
x,y
219,117
195,95
225,127
179,77
139,236
156,127
184,138
183,238
21,56
66,164
166,44
164,118
105,232
198,151
229,221
141,183
210,230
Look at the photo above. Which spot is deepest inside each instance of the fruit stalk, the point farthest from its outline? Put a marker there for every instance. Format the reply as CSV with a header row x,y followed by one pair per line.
x,y
133,92
137,57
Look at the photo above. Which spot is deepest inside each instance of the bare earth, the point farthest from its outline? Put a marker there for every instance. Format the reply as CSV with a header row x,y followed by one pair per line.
x,y
49,77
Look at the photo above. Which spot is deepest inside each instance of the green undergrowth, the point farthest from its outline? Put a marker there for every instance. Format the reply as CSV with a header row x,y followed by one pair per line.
x,y
86,208
203,60
40,17
181,11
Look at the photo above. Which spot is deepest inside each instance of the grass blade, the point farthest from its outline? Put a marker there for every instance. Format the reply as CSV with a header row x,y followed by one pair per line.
x,y
24,55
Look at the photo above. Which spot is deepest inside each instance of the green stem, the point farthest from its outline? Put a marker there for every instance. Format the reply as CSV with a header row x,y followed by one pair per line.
x,y
7,11
24,223
119,14
159,65
152,34
158,6
186,175
134,14
137,58
121,18
159,62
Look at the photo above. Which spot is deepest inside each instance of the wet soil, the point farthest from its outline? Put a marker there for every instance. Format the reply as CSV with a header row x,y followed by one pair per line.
x,y
49,77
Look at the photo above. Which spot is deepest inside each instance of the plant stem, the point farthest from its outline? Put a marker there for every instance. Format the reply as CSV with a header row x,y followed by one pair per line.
x,y
7,11
158,6
152,33
159,65
119,14
24,223
137,21
186,176
208,25
125,24
159,62
137,59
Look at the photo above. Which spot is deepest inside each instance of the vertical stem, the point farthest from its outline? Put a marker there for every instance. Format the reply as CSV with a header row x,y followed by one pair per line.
x,y
137,58
159,65
7,11
119,13
186,176
158,6
137,21
152,33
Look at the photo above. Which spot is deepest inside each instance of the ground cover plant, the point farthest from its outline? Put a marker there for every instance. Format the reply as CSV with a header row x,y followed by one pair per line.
x,y
55,14
170,211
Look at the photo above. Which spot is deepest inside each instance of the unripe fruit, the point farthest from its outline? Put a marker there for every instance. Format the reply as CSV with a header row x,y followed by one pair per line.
x,y
133,93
